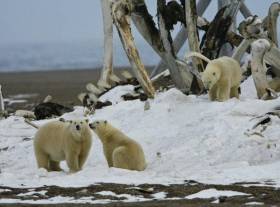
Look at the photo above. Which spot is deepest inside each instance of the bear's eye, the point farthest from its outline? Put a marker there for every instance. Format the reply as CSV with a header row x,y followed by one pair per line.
x,y
62,119
81,122
71,121
214,73
87,120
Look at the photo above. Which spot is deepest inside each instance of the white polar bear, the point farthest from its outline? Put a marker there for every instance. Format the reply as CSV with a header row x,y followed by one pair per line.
x,y
119,150
63,140
222,76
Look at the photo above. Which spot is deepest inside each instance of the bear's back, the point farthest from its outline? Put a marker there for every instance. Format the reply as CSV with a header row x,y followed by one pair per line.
x,y
50,133
230,67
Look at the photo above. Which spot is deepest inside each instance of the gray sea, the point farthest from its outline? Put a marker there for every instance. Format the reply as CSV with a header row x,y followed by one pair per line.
x,y
70,55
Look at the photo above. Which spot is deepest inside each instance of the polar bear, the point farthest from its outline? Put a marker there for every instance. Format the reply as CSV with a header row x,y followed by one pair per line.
x,y
63,140
222,76
119,150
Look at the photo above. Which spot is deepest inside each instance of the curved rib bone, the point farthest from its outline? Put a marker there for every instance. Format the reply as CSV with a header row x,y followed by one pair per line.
x,y
121,14
259,48
107,69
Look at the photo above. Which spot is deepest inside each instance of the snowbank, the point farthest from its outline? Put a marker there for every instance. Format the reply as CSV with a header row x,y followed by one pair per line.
x,y
210,193
183,137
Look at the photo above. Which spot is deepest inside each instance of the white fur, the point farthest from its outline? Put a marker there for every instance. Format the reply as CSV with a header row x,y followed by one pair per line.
x,y
57,141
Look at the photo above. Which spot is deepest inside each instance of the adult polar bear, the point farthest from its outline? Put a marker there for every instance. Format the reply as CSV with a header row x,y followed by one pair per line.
x,y
222,76
60,140
119,150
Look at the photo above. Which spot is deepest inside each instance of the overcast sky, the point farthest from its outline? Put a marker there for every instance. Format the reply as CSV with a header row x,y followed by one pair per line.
x,y
44,21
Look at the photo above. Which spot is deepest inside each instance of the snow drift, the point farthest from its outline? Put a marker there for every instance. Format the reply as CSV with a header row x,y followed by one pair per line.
x,y
183,137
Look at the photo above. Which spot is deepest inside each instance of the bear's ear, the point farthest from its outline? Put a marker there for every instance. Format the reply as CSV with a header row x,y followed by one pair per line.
x,y
105,122
62,119
97,122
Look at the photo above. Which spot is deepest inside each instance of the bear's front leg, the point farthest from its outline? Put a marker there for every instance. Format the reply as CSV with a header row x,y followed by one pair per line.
x,y
82,159
109,156
224,91
213,93
72,160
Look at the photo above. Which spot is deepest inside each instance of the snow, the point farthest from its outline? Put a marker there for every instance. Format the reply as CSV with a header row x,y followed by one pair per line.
x,y
183,137
214,193
56,200
43,192
160,195
115,94
128,198
254,203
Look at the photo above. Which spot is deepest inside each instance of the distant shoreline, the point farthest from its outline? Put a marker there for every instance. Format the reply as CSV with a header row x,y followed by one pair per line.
x,y
62,85
55,70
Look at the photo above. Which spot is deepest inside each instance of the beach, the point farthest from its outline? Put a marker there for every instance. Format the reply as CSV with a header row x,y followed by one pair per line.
x,y
62,85
33,87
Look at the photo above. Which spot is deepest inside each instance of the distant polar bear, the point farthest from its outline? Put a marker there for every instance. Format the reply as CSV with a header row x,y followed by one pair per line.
x,y
63,140
119,150
222,76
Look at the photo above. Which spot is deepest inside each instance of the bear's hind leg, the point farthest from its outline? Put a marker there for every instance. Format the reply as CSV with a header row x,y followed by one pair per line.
x,y
120,158
54,166
234,92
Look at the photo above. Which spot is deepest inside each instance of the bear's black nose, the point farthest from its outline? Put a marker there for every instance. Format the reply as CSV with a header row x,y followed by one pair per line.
x,y
78,127
91,126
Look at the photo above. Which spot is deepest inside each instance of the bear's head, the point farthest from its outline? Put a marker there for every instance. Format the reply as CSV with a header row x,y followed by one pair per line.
x,y
210,76
99,126
79,128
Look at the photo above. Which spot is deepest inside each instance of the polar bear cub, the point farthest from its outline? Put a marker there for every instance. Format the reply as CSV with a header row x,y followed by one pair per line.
x,y
63,140
119,150
222,76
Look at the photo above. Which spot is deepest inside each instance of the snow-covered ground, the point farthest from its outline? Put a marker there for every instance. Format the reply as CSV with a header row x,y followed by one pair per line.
x,y
183,137
210,193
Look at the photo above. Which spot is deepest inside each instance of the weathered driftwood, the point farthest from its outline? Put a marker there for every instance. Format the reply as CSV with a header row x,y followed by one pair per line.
x,y
216,34
241,49
143,21
226,49
191,22
31,123
181,37
272,57
250,29
122,19
245,11
146,26
177,43
259,48
107,69
272,22
25,114
182,79
48,98
2,107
